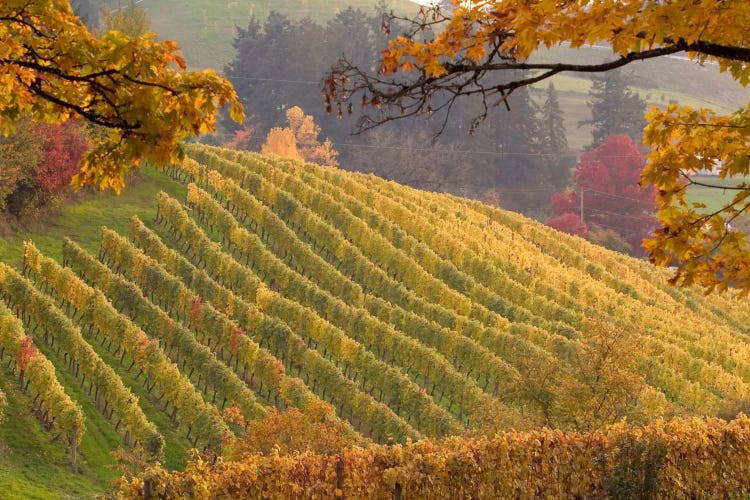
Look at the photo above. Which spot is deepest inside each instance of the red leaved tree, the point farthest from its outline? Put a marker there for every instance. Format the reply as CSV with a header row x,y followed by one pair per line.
x,y
608,176
569,223
62,148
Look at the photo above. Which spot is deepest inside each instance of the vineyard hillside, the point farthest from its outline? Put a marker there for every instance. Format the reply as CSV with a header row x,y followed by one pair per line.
x,y
387,313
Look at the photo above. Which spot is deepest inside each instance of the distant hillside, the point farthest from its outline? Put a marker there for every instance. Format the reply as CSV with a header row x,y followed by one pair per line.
x,y
660,81
205,28
402,313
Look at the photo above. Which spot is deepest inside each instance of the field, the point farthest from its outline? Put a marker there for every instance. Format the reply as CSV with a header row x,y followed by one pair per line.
x,y
256,283
713,197
574,95
82,217
245,325
31,466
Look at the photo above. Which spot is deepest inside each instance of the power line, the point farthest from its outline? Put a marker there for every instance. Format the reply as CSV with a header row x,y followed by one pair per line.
x,y
473,152
618,229
524,190
613,195
272,80
642,218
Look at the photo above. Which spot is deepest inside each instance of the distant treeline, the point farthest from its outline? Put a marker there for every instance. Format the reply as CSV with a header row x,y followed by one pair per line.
x,y
280,63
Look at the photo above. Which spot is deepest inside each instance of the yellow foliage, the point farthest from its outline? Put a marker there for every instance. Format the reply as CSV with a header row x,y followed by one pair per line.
x,y
605,384
135,87
292,431
673,459
19,157
300,140
131,21
281,142
3,404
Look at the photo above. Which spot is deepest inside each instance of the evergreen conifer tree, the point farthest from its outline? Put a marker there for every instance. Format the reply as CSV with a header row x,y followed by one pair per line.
x,y
554,140
615,109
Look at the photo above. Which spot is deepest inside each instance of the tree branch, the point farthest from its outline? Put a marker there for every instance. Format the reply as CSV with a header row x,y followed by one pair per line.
x,y
115,122
408,94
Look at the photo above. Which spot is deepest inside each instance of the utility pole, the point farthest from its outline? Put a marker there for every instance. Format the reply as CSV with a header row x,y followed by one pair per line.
x,y
581,205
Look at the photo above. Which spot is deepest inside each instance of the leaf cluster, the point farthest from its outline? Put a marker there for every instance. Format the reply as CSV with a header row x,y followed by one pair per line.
x,y
137,88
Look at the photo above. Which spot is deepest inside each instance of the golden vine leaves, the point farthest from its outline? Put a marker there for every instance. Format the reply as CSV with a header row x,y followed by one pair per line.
x,y
480,37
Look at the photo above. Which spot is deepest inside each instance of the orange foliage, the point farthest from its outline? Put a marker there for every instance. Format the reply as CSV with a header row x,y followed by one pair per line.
x,y
672,459
491,197
243,136
237,334
281,141
300,140
306,133
133,85
25,353
234,414
289,431
196,310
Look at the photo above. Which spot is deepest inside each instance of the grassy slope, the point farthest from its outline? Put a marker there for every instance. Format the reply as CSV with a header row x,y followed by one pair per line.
x,y
30,466
713,198
81,220
574,91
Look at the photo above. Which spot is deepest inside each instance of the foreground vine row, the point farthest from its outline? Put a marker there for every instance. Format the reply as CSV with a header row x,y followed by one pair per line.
x,y
661,460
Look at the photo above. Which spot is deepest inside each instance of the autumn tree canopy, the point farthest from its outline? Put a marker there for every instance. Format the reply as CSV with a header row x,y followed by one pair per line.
x,y
424,74
606,180
53,69
63,146
300,140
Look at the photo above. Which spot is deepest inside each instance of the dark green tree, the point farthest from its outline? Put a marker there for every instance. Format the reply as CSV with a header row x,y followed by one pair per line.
x,y
615,109
280,63
277,66
514,162
554,140
351,32
558,159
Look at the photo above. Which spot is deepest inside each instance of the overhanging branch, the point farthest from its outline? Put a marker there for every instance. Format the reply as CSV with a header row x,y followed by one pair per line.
x,y
408,94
